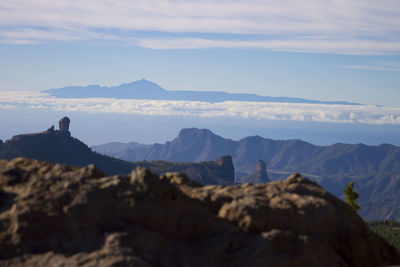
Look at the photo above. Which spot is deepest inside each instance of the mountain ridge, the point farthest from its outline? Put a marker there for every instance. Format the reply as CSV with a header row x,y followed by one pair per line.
x,y
57,146
203,144
371,167
144,89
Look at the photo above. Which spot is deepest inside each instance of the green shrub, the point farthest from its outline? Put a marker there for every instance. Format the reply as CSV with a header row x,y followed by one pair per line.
x,y
351,195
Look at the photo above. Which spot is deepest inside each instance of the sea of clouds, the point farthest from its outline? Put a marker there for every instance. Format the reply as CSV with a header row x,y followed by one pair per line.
x,y
375,115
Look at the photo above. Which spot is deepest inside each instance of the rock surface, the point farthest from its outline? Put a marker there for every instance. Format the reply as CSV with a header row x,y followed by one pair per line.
x,y
259,175
58,215
64,125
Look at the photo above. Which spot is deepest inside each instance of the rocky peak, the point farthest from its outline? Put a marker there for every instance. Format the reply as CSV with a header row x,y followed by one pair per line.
x,y
142,85
64,125
260,166
194,133
51,129
225,161
226,164
34,139
259,175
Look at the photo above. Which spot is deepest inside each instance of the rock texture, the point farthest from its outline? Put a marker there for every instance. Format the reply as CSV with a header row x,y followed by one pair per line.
x,y
259,175
58,215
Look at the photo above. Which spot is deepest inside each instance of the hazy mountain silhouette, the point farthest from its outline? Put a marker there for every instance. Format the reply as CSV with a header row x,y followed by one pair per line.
x,y
115,147
375,169
194,144
59,147
144,89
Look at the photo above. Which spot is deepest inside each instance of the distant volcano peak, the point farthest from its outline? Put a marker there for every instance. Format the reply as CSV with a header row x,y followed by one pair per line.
x,y
145,89
143,84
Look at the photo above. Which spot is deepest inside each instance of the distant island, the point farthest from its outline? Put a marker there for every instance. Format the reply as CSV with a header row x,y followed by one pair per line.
x,y
144,89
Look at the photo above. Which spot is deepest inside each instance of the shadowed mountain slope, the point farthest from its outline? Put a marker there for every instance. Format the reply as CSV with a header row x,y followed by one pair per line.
x,y
191,145
194,144
115,147
375,169
59,147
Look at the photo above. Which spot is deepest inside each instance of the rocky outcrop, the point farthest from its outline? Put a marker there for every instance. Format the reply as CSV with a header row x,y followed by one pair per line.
x,y
50,133
259,175
261,167
227,168
51,130
58,215
64,126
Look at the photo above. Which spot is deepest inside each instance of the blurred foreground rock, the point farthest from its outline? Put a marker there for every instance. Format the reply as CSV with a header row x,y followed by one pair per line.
x,y
58,215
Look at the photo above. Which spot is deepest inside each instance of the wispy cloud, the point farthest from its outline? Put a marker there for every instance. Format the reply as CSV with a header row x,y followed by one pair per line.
x,y
268,111
331,26
307,45
381,66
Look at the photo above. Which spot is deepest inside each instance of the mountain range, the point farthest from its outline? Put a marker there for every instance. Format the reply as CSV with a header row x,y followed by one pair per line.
x,y
58,146
144,89
375,169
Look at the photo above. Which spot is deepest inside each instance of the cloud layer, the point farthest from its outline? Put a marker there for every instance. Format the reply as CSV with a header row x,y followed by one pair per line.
x,y
10,100
331,26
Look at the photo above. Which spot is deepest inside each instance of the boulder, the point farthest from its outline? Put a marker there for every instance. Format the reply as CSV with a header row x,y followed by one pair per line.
x,y
59,215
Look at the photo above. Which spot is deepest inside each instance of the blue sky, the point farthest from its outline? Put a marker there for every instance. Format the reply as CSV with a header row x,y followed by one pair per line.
x,y
314,76
346,50
326,50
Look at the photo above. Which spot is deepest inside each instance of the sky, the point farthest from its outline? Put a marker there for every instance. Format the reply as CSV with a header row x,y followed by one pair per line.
x,y
332,50
326,50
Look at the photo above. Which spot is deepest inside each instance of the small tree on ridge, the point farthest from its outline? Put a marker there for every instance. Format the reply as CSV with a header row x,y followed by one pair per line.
x,y
351,195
